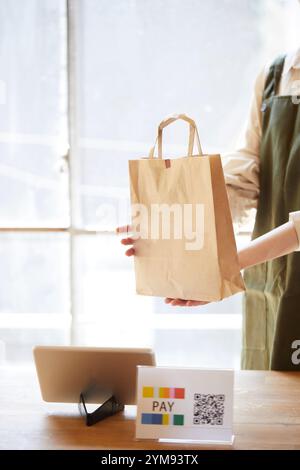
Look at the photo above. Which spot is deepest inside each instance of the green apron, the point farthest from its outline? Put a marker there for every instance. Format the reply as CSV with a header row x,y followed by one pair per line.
x,y
271,320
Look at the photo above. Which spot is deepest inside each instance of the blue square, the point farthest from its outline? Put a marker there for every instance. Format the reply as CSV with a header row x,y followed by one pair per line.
x,y
157,419
151,418
146,418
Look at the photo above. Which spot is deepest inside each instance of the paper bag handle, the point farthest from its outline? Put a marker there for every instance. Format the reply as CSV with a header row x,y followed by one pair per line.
x,y
193,132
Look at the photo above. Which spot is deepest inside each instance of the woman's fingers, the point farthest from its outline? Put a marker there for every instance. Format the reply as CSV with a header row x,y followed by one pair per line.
x,y
184,303
175,302
178,303
127,241
195,303
124,229
129,252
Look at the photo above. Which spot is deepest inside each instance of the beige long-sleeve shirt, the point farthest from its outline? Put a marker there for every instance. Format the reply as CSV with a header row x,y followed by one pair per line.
x,y
241,168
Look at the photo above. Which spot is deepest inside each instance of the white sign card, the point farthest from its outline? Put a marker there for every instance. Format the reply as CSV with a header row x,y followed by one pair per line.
x,y
185,404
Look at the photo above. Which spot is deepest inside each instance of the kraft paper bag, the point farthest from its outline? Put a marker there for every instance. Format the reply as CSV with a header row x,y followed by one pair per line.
x,y
184,240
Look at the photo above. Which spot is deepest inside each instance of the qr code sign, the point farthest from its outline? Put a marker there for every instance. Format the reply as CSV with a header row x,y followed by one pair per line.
x,y
208,409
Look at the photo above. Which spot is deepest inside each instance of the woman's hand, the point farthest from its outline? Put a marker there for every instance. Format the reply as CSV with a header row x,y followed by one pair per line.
x,y
129,241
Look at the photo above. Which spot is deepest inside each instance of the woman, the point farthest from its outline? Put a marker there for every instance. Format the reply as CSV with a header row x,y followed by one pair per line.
x,y
265,173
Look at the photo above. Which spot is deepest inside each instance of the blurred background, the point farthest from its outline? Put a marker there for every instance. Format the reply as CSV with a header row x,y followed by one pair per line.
x,y
83,86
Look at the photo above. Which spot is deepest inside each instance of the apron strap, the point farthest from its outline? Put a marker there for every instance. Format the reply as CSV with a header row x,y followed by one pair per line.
x,y
274,77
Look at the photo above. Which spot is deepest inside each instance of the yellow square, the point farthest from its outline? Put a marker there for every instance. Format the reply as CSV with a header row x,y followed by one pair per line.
x,y
148,392
166,420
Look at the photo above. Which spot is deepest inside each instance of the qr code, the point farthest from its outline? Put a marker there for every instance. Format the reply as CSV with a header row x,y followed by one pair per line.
x,y
208,409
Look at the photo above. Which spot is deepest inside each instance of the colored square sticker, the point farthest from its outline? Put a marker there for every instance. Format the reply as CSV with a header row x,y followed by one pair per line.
x,y
148,392
166,420
179,393
164,392
178,420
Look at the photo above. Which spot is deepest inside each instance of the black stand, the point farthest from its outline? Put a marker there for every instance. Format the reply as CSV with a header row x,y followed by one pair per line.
x,y
108,408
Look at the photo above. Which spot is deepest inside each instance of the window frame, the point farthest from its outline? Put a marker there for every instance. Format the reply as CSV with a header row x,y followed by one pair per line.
x,y
74,227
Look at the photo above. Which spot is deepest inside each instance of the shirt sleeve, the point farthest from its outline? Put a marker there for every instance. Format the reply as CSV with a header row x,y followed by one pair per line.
x,y
295,218
241,167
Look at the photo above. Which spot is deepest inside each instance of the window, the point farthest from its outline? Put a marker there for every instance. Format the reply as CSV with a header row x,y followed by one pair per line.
x,y
83,85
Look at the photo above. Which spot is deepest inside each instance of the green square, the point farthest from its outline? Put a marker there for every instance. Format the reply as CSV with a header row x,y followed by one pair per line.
x,y
178,420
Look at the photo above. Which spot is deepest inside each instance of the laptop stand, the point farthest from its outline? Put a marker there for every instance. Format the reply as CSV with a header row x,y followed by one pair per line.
x,y
109,408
